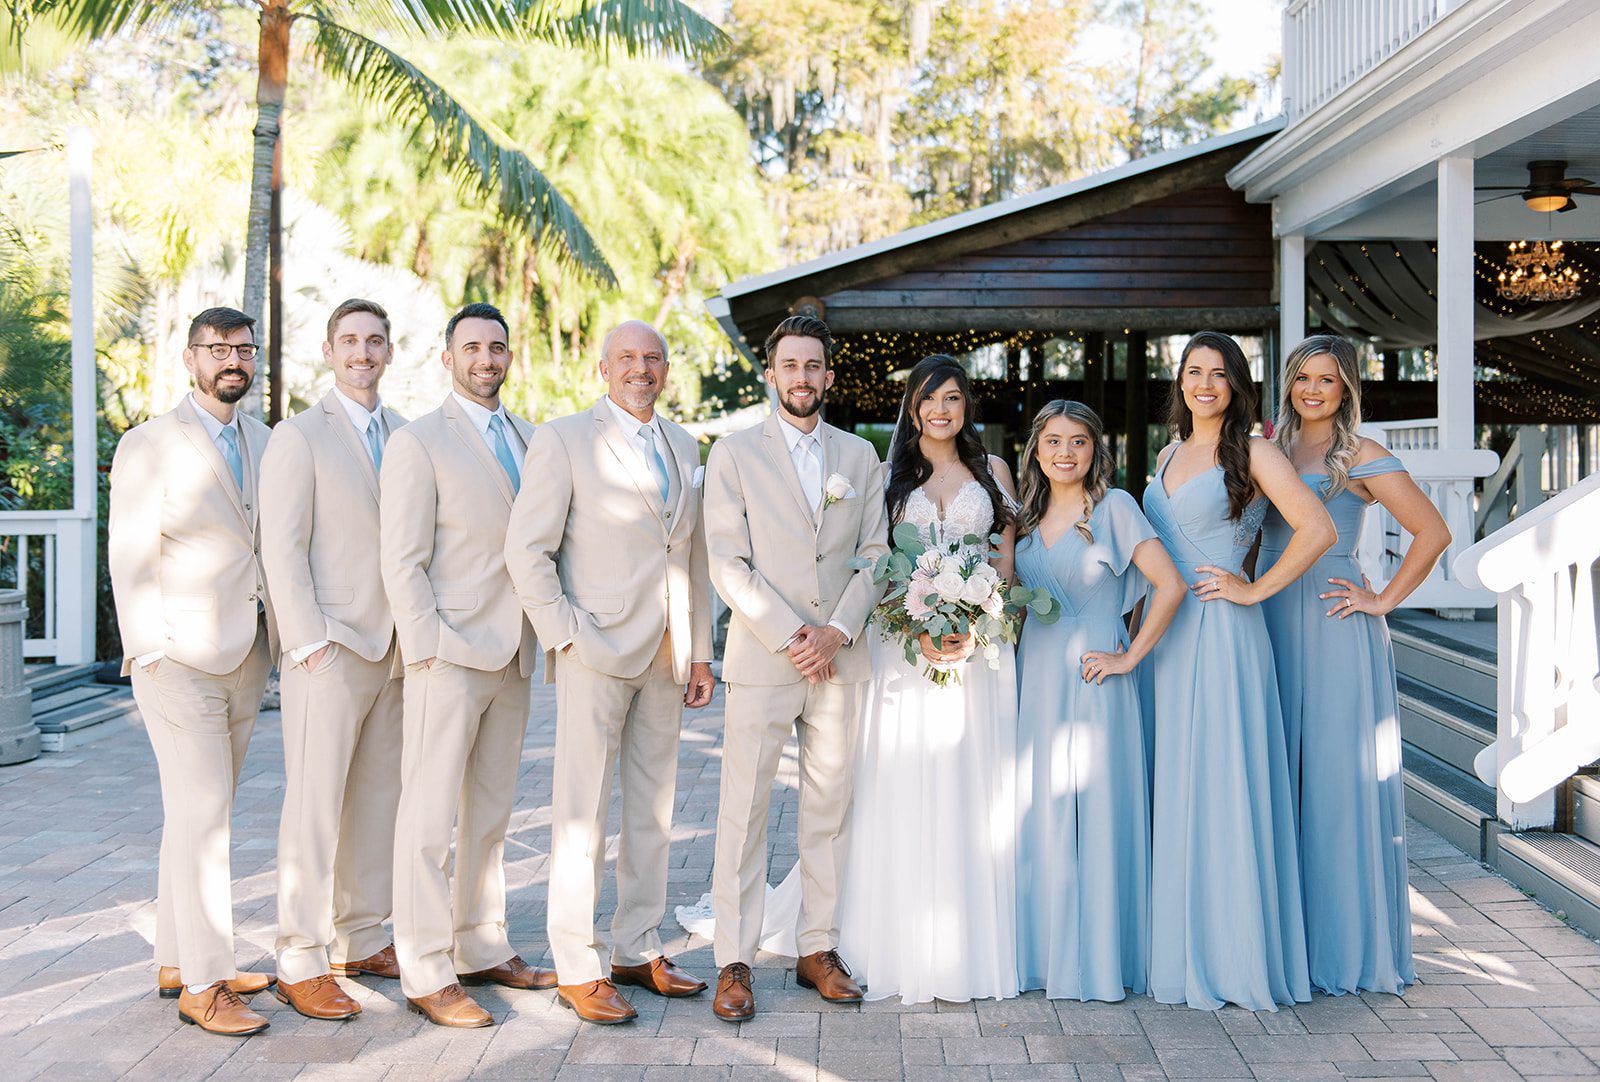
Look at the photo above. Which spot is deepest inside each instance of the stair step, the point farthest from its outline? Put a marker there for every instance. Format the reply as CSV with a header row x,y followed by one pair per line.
x,y
60,698
41,678
1443,725
1561,870
1467,676
1449,800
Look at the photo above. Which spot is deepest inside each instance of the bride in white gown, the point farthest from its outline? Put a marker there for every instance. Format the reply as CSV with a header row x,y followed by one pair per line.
x,y
929,892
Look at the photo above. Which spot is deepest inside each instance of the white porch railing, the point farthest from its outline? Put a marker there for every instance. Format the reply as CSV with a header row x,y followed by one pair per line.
x,y
55,546
1329,44
1545,567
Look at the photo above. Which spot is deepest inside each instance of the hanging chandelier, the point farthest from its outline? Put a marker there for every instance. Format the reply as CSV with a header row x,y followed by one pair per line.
x,y
1538,274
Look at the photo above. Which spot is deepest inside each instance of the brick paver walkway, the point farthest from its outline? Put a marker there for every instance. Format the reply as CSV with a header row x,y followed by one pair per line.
x,y
1506,989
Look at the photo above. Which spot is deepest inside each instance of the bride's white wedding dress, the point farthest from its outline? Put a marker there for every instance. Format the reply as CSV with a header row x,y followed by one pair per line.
x,y
929,891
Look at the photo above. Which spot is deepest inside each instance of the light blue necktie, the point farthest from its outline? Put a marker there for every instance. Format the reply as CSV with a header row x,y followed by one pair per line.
x,y
374,444
229,440
502,450
652,455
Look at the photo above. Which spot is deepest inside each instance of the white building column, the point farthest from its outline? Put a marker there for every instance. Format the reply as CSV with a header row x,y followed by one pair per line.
x,y
1457,306
1291,315
77,556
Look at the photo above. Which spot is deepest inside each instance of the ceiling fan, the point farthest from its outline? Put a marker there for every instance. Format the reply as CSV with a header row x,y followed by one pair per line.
x,y
1548,188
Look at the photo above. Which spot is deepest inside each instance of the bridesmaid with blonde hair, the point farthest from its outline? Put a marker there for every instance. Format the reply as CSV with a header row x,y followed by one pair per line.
x,y
1336,678
1083,800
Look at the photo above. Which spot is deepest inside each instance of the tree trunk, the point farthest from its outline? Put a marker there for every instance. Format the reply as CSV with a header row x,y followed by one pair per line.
x,y
276,399
272,63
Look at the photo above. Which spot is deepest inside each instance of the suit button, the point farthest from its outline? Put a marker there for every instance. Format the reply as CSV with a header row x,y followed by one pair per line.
x,y
819,559
669,548
815,603
247,507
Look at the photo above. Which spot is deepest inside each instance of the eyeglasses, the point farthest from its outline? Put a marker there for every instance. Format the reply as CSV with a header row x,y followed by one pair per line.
x,y
221,350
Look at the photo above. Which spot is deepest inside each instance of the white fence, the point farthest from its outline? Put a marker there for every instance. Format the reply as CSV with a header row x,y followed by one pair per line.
x,y
50,557
1329,44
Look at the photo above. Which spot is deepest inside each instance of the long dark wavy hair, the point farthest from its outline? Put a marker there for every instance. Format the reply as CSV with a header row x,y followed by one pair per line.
x,y
1035,485
909,469
1233,448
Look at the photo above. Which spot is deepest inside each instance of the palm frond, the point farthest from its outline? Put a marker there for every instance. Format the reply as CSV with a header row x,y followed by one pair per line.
x,y
103,18
506,19
478,155
639,27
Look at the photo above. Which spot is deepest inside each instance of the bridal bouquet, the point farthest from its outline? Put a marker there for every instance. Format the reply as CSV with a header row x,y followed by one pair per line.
x,y
948,588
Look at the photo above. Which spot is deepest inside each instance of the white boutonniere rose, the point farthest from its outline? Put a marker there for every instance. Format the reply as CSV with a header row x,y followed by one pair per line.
x,y
836,488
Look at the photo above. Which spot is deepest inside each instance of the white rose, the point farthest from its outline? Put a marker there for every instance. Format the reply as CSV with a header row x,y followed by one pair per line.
x,y
987,573
928,563
976,591
838,487
949,565
949,584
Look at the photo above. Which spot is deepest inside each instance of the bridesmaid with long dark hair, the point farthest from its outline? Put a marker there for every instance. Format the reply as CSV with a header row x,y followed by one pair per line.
x,y
1337,681
1226,918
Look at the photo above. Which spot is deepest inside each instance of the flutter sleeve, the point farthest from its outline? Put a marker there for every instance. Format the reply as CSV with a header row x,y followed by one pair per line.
x,y
1121,528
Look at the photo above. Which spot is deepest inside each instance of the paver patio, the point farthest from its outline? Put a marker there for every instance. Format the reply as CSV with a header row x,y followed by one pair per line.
x,y
1506,990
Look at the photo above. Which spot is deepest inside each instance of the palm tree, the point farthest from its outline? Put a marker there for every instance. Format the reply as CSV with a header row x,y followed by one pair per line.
x,y
345,42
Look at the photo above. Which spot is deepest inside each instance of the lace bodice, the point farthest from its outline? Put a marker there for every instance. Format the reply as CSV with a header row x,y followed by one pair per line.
x,y
968,513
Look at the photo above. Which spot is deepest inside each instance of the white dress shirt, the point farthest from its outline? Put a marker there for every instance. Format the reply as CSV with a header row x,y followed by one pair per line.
x,y
479,416
791,438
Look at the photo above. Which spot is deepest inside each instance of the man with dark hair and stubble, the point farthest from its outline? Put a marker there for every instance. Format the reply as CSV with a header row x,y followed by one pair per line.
x,y
341,674
198,639
448,482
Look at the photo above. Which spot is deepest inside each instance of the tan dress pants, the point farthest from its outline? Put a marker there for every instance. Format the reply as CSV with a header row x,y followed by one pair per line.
x,y
759,720
602,720
341,756
463,747
199,726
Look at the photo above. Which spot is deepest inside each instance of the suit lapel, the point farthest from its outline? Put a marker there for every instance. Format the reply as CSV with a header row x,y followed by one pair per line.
x,y
778,452
254,445
631,459
195,432
468,434
339,421
686,452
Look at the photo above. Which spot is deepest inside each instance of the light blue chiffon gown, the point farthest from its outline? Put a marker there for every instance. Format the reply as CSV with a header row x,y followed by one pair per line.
x,y
1341,719
1226,920
1083,826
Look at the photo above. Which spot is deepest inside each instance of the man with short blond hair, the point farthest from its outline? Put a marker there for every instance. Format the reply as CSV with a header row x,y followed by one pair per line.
x,y
341,674
198,639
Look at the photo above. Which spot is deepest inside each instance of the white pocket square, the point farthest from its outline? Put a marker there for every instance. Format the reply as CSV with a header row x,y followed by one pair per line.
x,y
699,477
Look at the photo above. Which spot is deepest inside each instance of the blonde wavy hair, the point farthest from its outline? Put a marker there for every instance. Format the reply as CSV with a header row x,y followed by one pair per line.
x,y
1346,442
1036,486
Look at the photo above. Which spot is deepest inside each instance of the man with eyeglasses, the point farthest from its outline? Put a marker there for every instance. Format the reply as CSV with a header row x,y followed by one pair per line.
x,y
198,639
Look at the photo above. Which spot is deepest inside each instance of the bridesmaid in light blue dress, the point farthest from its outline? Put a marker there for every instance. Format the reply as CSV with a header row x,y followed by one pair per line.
x,y
1083,827
1336,677
1226,918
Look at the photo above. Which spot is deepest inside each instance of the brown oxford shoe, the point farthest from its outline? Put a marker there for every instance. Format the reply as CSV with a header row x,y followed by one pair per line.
x,y
598,1002
513,973
659,976
219,1010
451,1006
382,964
826,972
319,997
169,982
735,1000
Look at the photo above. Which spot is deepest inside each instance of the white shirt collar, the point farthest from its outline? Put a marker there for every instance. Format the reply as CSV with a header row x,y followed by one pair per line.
x,y
360,416
213,426
479,415
631,424
792,435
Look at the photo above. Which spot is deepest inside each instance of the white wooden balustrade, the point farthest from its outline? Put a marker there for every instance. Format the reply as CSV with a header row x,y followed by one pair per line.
x,y
57,546
1329,44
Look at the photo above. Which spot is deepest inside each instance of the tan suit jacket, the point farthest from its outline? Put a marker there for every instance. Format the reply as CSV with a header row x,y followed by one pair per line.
x,y
597,559
184,544
445,505
780,566
319,538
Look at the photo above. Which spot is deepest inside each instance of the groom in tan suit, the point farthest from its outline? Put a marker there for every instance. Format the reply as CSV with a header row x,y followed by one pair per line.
x,y
448,482
609,559
198,640
789,505
341,673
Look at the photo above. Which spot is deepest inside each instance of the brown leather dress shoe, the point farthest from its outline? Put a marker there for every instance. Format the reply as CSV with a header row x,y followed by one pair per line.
x,y
382,964
735,1000
513,973
319,997
451,1006
219,1010
169,982
826,972
598,1002
660,976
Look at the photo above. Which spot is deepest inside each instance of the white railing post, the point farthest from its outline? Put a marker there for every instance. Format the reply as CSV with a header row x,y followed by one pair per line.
x,y
77,555
1457,306
1329,44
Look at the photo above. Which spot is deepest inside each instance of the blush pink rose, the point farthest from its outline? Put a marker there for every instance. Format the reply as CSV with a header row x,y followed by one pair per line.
x,y
918,597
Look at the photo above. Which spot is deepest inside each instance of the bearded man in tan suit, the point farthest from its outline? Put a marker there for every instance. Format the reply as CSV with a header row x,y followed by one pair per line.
x,y
341,674
609,558
198,639
448,482
790,506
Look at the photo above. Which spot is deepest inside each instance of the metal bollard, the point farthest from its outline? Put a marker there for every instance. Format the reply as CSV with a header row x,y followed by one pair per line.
x,y
19,736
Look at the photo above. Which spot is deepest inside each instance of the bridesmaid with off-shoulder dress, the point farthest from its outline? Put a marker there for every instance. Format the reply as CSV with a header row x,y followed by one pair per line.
x,y
1226,919
1336,677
